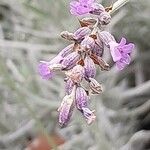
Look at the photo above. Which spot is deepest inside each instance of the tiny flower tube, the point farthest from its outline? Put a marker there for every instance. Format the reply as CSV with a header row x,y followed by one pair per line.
x,y
89,66
76,74
104,18
81,98
121,52
88,43
70,61
106,37
66,51
95,87
69,86
81,33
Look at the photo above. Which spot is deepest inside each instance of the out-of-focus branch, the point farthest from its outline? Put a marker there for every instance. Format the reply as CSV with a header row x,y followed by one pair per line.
x,y
139,141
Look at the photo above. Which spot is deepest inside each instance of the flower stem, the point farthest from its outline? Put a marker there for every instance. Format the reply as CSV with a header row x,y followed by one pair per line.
x,y
117,5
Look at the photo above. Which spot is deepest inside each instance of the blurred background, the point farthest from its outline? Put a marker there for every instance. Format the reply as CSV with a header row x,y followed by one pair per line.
x,y
30,32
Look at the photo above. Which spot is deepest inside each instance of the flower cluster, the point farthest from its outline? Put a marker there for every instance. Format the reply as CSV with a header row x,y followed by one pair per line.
x,y
78,60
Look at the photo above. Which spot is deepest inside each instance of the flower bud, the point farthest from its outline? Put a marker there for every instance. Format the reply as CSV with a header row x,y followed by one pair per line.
x,y
97,9
88,43
95,86
104,18
89,66
65,110
81,33
70,61
66,51
67,35
76,74
69,86
98,48
81,98
87,22
106,37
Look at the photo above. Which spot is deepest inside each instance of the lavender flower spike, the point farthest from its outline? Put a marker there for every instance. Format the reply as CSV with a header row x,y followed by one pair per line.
x,y
121,53
82,7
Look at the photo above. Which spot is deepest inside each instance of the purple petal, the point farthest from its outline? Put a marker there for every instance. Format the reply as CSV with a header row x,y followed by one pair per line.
x,y
122,42
120,65
44,71
115,53
82,10
127,49
126,59
86,1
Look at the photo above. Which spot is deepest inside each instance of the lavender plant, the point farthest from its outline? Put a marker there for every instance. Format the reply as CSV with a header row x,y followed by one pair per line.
x,y
78,60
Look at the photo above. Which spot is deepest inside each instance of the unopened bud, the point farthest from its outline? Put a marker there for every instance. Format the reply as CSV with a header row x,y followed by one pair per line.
x,y
67,35
95,86
70,61
81,33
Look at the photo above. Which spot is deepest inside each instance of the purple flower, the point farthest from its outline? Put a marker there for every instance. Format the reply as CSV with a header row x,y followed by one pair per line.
x,y
81,7
45,71
121,53
89,66
65,110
